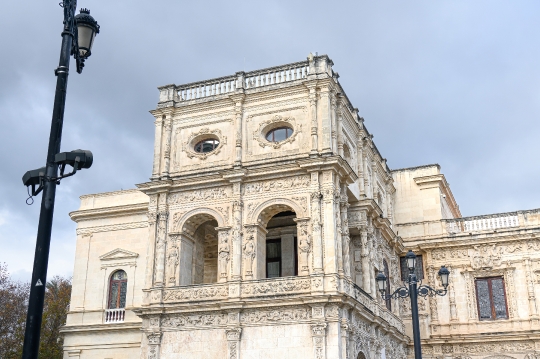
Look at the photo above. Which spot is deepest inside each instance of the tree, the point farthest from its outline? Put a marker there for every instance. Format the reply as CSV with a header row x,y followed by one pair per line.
x,y
55,309
13,305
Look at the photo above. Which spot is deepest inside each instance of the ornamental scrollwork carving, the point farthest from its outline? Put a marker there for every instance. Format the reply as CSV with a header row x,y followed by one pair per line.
x,y
280,184
277,121
194,138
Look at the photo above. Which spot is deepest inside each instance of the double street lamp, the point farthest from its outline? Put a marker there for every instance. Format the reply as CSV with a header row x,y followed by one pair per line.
x,y
77,40
413,291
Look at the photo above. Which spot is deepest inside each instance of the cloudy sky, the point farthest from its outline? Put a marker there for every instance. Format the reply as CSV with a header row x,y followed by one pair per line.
x,y
449,82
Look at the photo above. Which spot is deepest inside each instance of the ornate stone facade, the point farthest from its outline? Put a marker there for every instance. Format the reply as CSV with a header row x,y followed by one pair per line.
x,y
199,241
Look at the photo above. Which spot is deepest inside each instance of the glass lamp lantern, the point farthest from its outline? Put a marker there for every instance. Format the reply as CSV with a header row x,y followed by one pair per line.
x,y
381,282
411,260
444,273
87,28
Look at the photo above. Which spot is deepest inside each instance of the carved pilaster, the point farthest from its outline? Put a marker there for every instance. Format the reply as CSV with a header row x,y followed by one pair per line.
x,y
173,259
236,232
224,252
157,148
154,344
233,342
433,300
238,110
304,245
452,295
530,288
313,117
316,232
318,332
339,108
366,252
161,241
167,127
345,235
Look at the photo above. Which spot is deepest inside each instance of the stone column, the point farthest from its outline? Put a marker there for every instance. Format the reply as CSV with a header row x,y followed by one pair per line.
x,y
366,267
154,345
316,232
433,300
361,170
318,332
345,236
157,148
233,341
167,146
304,245
150,259
224,252
324,108
236,258
161,242
345,328
339,230
313,116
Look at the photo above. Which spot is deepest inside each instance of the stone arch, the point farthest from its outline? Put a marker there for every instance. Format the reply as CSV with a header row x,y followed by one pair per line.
x,y
266,210
194,247
190,221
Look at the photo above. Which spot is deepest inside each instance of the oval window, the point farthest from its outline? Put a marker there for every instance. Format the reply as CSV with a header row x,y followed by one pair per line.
x,y
279,134
207,145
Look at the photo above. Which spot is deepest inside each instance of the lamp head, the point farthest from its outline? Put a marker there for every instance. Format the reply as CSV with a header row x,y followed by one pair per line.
x,y
411,260
87,28
381,282
444,273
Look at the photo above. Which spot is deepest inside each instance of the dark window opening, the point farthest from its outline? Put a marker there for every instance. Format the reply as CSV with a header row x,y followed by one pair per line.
x,y
279,134
118,290
206,145
273,258
491,298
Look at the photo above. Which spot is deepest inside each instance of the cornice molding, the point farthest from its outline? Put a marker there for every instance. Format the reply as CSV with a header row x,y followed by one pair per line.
x,y
104,212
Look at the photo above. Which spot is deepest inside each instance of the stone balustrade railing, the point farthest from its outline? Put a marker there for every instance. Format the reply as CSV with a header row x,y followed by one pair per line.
x,y
465,225
482,223
115,315
197,90
275,75
229,84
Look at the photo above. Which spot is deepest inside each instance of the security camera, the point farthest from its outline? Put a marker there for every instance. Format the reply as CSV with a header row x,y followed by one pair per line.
x,y
34,178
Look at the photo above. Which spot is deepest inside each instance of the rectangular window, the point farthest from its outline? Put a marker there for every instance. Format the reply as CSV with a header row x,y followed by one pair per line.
x,y
419,270
273,258
491,298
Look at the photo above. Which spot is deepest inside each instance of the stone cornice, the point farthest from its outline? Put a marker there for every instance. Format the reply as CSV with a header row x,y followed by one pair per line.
x,y
104,212
439,181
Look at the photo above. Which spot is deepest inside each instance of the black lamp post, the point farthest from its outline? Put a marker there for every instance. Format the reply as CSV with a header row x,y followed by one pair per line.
x,y
413,291
77,39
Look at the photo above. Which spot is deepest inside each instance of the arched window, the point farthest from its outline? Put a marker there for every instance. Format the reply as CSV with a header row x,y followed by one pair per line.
x,y
279,134
117,290
361,356
207,145
387,274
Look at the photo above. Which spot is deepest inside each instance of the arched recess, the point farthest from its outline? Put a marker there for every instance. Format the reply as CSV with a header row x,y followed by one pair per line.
x,y
361,356
274,246
193,249
266,210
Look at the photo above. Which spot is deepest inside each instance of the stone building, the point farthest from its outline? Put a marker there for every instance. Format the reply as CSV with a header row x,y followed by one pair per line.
x,y
267,216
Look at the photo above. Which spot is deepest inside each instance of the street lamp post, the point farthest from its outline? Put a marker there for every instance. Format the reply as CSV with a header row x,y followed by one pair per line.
x,y
77,40
413,291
